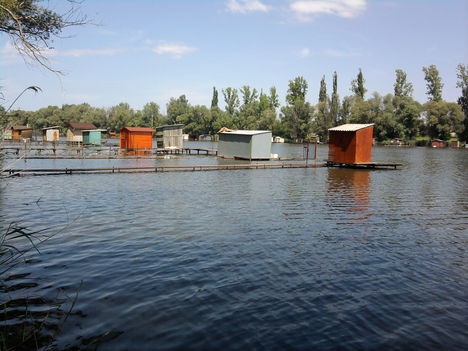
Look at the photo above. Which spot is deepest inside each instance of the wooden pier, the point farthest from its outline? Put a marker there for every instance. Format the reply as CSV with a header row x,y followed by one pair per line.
x,y
368,165
154,169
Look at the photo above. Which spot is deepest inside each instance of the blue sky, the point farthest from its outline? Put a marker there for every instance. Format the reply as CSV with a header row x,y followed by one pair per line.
x,y
142,50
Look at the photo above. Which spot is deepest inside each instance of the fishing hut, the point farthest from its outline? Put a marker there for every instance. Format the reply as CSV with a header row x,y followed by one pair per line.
x,y
350,144
170,136
244,144
92,136
136,138
437,143
51,134
21,132
75,131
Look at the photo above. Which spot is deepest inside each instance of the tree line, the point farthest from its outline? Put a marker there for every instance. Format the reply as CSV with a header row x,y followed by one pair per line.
x,y
395,115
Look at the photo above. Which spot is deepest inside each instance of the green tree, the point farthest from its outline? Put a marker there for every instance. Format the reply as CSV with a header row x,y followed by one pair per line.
x,y
462,83
434,83
150,116
357,85
401,86
176,108
335,102
323,90
407,112
443,118
231,99
214,99
120,116
298,113
273,99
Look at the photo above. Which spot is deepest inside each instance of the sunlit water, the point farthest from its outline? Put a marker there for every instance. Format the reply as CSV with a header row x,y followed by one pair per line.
x,y
252,259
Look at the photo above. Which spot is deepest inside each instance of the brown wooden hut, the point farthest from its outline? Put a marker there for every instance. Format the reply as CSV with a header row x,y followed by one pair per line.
x,y
75,131
21,132
136,138
350,143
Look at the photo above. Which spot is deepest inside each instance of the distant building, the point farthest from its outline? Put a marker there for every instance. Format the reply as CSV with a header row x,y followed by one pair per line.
x,y
75,131
51,134
350,143
454,144
278,139
136,138
437,143
170,136
245,144
21,132
93,136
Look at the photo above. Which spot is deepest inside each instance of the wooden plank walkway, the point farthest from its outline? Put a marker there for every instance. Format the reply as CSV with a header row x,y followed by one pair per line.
x,y
153,169
369,165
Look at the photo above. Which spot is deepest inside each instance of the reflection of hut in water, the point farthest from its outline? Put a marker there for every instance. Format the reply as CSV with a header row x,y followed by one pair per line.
x,y
350,143
136,138
51,134
348,191
21,132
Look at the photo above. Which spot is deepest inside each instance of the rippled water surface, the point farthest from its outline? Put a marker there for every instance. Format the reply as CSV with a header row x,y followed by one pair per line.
x,y
252,259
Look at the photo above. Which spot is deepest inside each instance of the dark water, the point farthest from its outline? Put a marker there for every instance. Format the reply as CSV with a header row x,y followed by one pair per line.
x,y
252,259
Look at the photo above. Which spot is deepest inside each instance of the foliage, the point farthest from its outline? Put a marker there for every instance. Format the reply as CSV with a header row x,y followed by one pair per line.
x,y
231,99
401,86
31,27
357,85
434,83
462,83
323,90
443,118
334,102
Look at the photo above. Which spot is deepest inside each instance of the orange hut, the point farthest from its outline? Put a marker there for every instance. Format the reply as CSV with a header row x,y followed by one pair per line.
x,y
136,138
350,143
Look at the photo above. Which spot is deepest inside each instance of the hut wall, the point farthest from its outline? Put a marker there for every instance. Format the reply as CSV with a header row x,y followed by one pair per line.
x,y
136,140
92,137
350,147
261,146
51,135
234,145
74,136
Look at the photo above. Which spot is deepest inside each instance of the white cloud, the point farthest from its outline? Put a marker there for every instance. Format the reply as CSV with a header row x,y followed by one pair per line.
x,y
174,50
305,52
245,6
305,10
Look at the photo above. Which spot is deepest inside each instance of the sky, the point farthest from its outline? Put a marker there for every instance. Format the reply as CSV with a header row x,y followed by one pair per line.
x,y
144,51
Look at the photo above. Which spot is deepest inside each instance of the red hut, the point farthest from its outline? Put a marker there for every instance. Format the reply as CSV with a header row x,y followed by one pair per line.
x,y
136,138
350,143
437,143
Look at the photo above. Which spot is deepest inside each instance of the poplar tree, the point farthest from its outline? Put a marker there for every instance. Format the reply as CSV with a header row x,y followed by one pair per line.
x,y
323,90
462,83
434,83
401,86
214,100
357,85
335,101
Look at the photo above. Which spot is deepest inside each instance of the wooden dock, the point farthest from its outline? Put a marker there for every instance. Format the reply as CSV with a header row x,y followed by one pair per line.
x,y
154,169
368,165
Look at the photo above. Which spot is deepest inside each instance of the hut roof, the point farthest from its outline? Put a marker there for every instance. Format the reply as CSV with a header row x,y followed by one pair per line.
x,y
350,127
138,129
246,132
21,128
81,126
53,127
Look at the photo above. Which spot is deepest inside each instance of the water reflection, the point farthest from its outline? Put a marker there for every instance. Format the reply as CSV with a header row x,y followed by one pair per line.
x,y
348,193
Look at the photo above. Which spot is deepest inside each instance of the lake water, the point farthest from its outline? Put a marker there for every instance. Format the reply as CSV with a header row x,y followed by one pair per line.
x,y
315,259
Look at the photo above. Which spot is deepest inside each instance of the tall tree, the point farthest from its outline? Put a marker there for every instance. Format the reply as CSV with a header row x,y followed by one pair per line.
x,y
462,83
297,114
248,95
176,108
273,99
214,99
32,27
443,118
323,90
401,86
357,85
335,101
231,99
434,83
